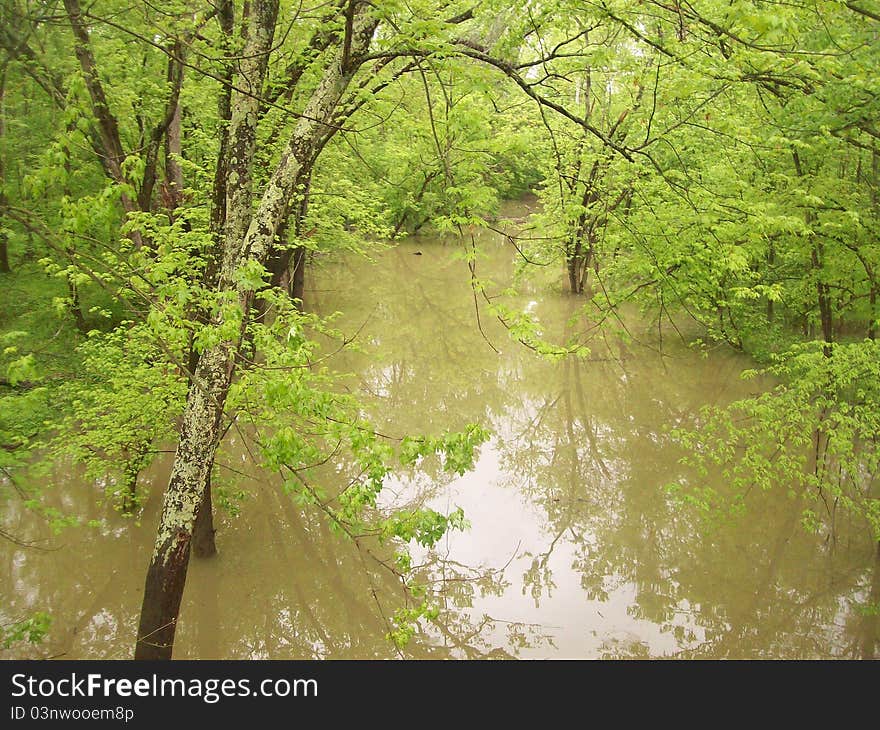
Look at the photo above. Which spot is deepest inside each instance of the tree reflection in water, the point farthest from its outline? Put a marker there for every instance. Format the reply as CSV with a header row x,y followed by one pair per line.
x,y
611,565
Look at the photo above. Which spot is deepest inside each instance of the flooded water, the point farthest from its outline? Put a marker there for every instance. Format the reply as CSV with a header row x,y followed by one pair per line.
x,y
575,548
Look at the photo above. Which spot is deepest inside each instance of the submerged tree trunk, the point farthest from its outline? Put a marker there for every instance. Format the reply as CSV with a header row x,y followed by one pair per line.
x,y
204,544
574,264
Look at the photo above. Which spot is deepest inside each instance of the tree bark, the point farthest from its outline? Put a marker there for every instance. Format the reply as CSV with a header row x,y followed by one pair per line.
x,y
173,170
573,263
74,306
298,284
823,296
288,265
163,130
823,292
226,20
112,155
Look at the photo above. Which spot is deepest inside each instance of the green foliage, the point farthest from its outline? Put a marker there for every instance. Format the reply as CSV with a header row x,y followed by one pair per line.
x,y
124,403
304,422
814,434
31,630
405,622
456,449
425,526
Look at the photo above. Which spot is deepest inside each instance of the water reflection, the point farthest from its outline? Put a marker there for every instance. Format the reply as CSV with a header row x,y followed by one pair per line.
x,y
569,494
282,586
575,549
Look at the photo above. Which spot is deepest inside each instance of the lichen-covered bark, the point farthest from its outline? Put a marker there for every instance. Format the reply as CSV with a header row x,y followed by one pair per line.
x,y
287,265
202,418
107,124
243,127
190,475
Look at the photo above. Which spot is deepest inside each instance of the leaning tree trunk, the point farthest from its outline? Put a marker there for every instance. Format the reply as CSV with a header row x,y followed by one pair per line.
x,y
247,238
200,434
288,266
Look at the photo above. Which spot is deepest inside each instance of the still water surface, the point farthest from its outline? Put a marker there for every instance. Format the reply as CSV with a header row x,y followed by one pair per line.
x,y
575,548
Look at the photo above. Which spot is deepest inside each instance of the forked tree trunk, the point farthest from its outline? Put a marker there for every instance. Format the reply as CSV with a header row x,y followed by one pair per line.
x,y
246,238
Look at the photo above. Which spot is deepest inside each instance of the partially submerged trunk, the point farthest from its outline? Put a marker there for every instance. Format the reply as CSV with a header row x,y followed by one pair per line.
x,y
204,544
298,284
190,476
202,418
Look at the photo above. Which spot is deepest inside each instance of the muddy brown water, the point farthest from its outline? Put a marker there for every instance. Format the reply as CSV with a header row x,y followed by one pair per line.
x,y
574,550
